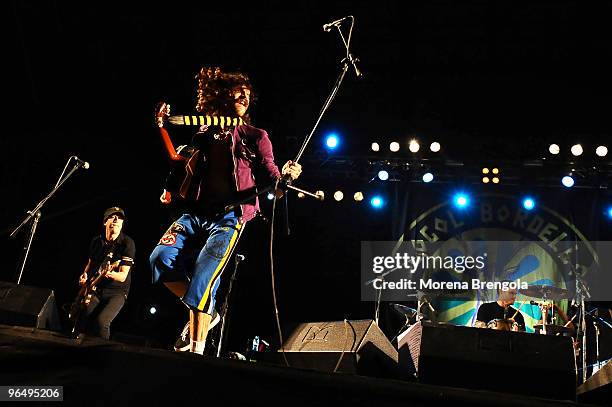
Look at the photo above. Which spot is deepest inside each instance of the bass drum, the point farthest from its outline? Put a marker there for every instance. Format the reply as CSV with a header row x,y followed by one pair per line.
x,y
503,325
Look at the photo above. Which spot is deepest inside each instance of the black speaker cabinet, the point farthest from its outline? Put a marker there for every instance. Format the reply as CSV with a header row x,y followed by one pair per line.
x,y
487,359
356,346
28,306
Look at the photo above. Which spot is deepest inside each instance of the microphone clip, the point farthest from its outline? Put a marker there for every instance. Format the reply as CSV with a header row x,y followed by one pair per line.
x,y
327,27
353,60
284,182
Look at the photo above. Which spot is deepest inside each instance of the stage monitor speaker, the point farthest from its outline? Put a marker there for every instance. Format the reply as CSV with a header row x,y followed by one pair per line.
x,y
28,306
359,345
598,388
487,359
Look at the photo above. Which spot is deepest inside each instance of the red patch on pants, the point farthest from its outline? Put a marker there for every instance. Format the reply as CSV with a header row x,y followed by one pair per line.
x,y
168,239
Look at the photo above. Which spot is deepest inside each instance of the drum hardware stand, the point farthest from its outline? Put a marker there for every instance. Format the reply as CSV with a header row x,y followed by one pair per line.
x,y
582,293
35,214
544,310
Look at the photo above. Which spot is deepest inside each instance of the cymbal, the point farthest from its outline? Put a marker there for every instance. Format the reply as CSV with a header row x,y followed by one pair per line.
x,y
546,291
554,329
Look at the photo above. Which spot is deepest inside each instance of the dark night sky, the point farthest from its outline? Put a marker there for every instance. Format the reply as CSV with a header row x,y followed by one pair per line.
x,y
496,78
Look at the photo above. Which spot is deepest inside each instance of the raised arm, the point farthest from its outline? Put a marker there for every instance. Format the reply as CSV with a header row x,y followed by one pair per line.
x,y
161,112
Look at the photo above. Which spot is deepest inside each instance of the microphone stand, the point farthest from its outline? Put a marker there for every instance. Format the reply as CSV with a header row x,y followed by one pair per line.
x,y
379,292
597,365
224,311
377,310
597,317
349,59
406,324
596,320
422,300
285,182
287,227
35,214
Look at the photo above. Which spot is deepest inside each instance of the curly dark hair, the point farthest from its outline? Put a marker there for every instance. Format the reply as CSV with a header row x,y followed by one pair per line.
x,y
214,94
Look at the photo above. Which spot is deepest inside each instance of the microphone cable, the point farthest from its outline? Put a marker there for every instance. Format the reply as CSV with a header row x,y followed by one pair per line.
x,y
278,326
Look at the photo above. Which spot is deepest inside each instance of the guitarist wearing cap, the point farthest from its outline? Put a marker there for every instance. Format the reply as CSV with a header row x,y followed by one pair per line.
x,y
107,274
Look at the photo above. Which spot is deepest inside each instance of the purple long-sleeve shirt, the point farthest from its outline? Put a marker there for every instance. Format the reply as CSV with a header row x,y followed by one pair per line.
x,y
211,188
252,147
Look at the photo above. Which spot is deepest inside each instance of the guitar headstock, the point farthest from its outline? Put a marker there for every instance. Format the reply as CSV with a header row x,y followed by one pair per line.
x,y
162,111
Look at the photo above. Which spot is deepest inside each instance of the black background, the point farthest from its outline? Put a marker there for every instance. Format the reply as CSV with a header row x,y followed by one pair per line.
x,y
495,80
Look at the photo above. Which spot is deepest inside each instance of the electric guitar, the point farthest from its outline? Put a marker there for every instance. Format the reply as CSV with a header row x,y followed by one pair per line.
x,y
87,291
185,159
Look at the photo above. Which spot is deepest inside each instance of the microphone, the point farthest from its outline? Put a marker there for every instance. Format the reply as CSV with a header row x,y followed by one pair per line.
x,y
353,60
327,27
81,163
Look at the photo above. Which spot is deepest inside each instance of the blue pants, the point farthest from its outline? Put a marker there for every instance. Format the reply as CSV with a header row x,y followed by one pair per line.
x,y
196,249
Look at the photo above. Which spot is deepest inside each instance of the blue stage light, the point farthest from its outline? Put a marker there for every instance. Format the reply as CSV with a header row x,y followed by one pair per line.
x,y
461,200
377,202
567,181
528,203
609,212
270,196
428,177
331,141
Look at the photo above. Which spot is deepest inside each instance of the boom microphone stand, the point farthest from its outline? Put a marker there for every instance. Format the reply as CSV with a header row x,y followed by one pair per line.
x,y
34,214
349,59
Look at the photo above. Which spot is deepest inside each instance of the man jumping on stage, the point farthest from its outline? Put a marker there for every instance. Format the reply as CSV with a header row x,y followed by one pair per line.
x,y
216,172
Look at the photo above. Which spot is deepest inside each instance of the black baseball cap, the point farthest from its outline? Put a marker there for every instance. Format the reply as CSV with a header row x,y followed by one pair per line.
x,y
112,211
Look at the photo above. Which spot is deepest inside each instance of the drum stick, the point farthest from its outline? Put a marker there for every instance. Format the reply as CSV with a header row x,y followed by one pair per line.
x,y
517,311
570,321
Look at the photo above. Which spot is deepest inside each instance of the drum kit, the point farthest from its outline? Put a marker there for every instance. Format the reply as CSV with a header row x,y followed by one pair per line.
x,y
546,294
546,297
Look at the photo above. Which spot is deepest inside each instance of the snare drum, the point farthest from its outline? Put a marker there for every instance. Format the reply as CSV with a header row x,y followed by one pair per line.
x,y
503,325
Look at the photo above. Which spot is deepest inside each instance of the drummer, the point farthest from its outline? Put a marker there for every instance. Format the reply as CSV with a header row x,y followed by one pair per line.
x,y
500,309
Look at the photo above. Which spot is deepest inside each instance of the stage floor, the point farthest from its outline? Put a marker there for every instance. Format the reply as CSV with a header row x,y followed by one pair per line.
x,y
97,372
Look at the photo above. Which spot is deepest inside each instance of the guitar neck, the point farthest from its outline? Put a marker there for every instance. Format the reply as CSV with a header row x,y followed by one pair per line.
x,y
103,270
